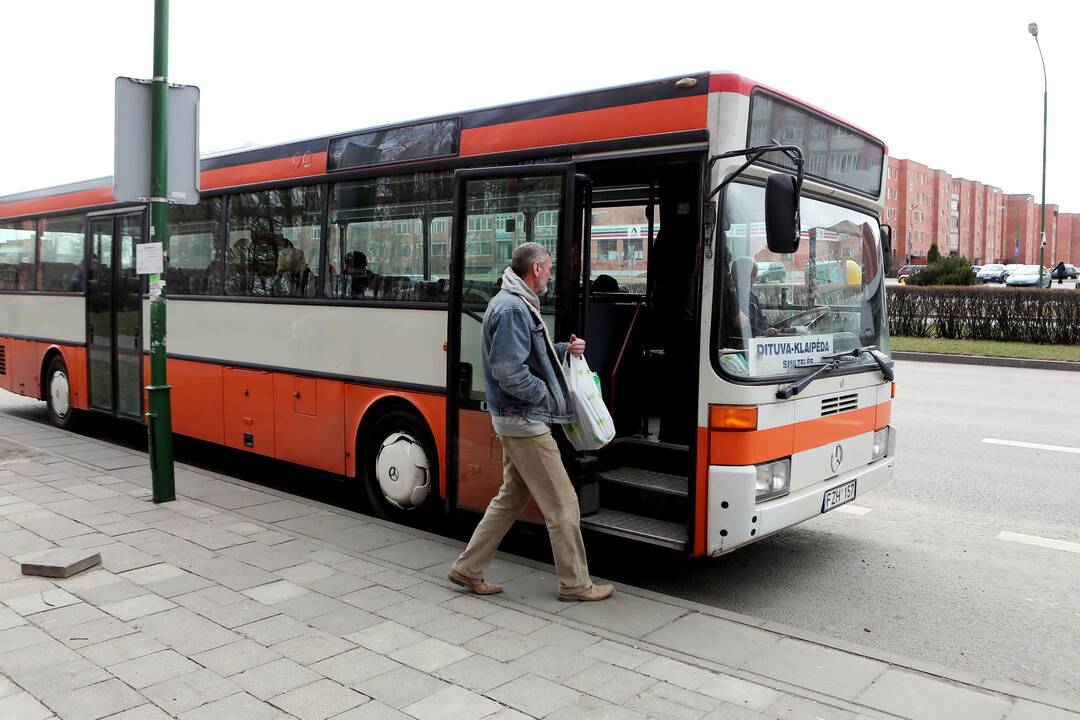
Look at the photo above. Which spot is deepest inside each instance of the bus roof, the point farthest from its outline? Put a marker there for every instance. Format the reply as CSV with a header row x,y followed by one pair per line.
x,y
574,122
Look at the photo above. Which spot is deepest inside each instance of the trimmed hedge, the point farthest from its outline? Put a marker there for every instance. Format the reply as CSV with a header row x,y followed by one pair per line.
x,y
985,313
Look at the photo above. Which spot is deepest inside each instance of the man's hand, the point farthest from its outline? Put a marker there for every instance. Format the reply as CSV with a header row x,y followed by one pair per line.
x,y
577,346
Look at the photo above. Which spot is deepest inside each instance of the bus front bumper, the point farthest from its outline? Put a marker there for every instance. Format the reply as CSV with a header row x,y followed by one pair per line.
x,y
735,518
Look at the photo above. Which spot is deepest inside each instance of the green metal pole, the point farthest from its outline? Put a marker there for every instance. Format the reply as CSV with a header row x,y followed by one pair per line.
x,y
159,418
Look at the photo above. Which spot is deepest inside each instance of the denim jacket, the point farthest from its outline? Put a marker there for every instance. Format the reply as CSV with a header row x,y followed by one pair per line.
x,y
522,369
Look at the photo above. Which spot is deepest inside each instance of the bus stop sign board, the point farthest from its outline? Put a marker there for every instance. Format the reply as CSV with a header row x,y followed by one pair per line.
x,y
131,155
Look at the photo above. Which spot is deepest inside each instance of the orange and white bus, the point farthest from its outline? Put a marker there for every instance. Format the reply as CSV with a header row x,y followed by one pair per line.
x,y
326,296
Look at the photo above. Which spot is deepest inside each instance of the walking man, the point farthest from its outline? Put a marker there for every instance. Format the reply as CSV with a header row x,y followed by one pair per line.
x,y
526,395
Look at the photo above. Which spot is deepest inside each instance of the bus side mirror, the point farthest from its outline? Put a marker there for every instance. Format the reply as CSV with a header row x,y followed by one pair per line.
x,y
781,213
886,247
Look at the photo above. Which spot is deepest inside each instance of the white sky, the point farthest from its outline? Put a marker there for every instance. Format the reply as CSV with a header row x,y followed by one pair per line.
x,y
953,84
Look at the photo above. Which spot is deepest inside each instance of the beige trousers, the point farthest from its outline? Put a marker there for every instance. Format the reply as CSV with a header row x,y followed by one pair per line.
x,y
532,468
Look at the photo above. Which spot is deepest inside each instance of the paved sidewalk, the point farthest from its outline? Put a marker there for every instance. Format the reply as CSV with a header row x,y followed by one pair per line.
x,y
237,602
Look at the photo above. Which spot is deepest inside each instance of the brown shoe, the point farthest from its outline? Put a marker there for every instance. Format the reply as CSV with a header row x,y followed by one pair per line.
x,y
478,587
593,593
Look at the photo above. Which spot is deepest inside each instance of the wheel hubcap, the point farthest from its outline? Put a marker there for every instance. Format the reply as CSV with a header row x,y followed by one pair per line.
x,y
59,394
403,471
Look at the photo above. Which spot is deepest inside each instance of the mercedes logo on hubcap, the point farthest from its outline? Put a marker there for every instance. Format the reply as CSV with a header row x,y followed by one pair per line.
x,y
393,474
837,458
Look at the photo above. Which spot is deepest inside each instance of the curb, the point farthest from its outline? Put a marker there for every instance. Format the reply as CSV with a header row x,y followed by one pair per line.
x,y
988,360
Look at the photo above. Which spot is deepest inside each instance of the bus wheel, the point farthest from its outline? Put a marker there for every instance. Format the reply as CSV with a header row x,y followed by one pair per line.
x,y
58,394
399,466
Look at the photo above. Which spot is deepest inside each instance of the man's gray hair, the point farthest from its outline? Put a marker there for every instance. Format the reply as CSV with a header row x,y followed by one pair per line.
x,y
525,255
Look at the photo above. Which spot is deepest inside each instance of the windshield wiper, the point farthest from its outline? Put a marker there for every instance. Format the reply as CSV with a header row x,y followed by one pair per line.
x,y
828,366
872,351
832,362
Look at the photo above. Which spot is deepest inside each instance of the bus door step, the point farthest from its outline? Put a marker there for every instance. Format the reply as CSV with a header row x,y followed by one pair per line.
x,y
637,527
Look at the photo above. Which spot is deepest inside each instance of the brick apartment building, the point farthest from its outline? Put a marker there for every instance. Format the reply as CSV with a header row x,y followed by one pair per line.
x,y
966,217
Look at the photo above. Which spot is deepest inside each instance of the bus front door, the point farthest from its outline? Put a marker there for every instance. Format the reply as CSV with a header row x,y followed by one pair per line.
x,y
114,314
495,210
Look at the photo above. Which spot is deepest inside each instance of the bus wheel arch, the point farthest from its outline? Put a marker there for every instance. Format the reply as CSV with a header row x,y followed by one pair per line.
x,y
56,389
397,459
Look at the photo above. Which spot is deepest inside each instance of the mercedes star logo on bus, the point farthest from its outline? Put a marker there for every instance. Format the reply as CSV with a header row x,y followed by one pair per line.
x,y
393,474
837,458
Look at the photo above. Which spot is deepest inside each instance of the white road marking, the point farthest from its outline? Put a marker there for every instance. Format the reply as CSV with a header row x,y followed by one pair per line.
x,y
1033,446
1040,541
853,509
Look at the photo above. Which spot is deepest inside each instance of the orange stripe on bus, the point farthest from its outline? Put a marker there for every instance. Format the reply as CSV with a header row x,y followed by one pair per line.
x,y
884,415
298,166
749,448
83,198
701,493
648,118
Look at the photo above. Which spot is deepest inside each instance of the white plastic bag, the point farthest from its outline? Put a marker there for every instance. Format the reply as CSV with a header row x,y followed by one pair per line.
x,y
593,427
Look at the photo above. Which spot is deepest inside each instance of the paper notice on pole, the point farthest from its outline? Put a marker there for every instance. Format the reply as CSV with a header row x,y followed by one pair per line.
x,y
155,289
148,259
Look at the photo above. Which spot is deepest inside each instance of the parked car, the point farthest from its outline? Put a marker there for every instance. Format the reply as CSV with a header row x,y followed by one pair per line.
x,y
975,269
1028,276
992,272
903,273
1009,270
1072,272
771,272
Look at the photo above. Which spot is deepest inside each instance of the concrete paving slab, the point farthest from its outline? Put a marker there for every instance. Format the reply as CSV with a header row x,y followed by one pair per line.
x,y
401,686
233,498
236,657
337,585
816,668
418,553
664,700
23,706
185,631
739,692
345,621
533,695
63,617
92,632
554,662
277,510
43,601
455,628
429,655
96,701
595,709
273,629
117,650
322,699
714,639
119,557
626,614
479,673
610,682
312,646
318,524
373,710
922,698
308,606
138,607
355,667
241,706
504,645
190,691
453,703
793,707
1025,710
273,678
366,537
152,669
618,654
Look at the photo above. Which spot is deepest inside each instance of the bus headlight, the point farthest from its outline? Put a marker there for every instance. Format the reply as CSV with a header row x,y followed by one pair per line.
x,y
773,479
881,444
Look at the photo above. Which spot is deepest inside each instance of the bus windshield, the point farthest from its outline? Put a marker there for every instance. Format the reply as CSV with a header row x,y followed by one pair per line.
x,y
781,314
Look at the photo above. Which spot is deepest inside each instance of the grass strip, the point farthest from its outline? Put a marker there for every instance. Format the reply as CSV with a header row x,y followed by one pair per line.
x,y
987,347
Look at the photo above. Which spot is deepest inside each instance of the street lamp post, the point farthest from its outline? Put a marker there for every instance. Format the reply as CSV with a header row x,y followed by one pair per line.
x,y
1034,30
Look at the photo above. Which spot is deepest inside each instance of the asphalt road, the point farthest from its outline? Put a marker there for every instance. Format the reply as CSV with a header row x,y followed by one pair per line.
x,y
919,567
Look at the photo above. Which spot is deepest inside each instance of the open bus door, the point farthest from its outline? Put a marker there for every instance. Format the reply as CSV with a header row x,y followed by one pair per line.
x,y
495,210
114,313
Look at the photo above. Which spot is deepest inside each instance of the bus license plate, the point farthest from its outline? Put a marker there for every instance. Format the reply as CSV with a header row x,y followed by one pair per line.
x,y
838,496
